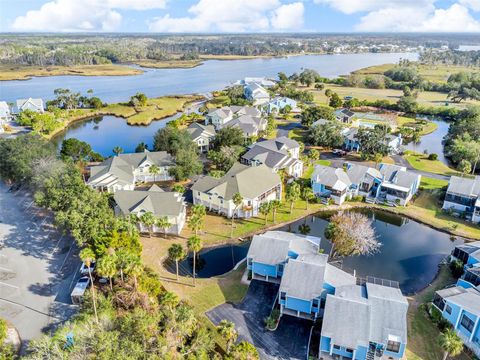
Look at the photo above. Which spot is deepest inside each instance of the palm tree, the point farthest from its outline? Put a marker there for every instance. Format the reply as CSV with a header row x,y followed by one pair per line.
x,y
107,267
377,158
135,268
275,205
265,209
176,253
124,258
194,244
148,219
195,223
451,343
199,210
164,223
88,256
117,150
169,299
307,195
227,330
237,200
154,170
292,194
304,229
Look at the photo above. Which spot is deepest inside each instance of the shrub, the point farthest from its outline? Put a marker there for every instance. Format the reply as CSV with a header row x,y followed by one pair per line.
x,y
456,267
432,156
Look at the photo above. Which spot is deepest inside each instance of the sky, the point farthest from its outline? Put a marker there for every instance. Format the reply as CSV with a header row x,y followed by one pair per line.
x,y
237,16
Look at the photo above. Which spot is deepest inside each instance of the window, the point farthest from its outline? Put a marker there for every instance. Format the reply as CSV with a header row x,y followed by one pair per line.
x,y
393,346
349,350
336,347
283,296
448,309
467,323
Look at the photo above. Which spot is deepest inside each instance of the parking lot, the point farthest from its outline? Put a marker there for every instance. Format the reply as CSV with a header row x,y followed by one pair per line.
x,y
38,267
289,341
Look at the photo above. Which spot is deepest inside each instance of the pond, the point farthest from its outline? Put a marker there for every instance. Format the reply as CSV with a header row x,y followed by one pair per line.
x,y
433,142
211,261
410,251
105,132
212,75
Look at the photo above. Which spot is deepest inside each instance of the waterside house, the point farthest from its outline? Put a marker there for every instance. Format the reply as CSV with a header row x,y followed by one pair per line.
x,y
31,104
398,185
330,183
463,196
364,322
255,184
460,306
5,114
123,171
351,143
256,93
280,153
202,135
469,255
156,201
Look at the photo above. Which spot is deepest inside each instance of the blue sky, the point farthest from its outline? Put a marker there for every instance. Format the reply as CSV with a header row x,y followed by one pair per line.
x,y
220,16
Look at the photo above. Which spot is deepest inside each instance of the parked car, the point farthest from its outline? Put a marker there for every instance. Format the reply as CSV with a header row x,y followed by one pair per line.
x,y
84,270
339,152
79,290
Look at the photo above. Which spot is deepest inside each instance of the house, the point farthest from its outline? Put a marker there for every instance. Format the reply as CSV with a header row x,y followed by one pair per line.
x,y
469,255
202,135
279,103
364,322
351,143
5,114
306,282
304,275
256,185
344,116
123,171
398,185
463,196
278,154
365,180
30,104
256,93
269,252
460,306
248,118
320,122
330,183
156,201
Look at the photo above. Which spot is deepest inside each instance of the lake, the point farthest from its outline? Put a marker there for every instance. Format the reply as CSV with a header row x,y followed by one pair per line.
x,y
410,253
212,75
105,132
433,142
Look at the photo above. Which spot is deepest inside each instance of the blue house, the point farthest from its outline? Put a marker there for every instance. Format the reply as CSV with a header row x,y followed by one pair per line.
x,y
469,255
330,183
463,196
365,322
305,284
269,253
279,103
460,306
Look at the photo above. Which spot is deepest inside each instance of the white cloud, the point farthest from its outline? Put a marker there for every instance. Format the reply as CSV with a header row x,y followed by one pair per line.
x,y
233,16
81,15
289,16
409,15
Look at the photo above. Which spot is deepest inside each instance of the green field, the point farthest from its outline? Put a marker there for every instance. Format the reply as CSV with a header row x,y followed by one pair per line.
x,y
421,162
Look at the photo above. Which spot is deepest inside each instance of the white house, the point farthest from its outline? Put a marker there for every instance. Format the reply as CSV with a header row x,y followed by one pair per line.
x,y
156,201
202,135
330,183
263,81
30,104
279,103
256,185
248,118
256,93
398,185
219,117
5,114
122,172
280,153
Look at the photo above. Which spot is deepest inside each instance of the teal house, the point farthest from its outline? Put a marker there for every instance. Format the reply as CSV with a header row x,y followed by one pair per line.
x,y
460,306
364,322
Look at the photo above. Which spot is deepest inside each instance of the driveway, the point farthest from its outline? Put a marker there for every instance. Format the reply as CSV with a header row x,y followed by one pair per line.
x,y
38,267
289,341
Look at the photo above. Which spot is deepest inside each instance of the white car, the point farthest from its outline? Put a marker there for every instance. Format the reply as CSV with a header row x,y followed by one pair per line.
x,y
84,269
79,289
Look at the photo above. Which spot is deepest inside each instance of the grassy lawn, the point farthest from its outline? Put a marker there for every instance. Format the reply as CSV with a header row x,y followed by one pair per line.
x,y
428,128
432,184
421,162
297,134
22,72
430,98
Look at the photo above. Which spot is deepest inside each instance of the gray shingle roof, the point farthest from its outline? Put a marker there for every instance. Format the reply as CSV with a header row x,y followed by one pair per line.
x,y
273,153
356,173
356,315
468,300
398,175
159,203
303,278
464,186
334,178
196,130
249,181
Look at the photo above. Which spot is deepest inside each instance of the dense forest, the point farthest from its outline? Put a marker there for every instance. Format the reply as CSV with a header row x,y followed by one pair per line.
x,y
49,49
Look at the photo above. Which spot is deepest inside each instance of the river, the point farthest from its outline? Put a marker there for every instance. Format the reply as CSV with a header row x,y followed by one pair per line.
x,y
433,142
212,75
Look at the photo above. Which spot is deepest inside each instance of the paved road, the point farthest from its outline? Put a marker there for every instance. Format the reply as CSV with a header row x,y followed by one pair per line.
x,y
289,341
38,267
399,160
